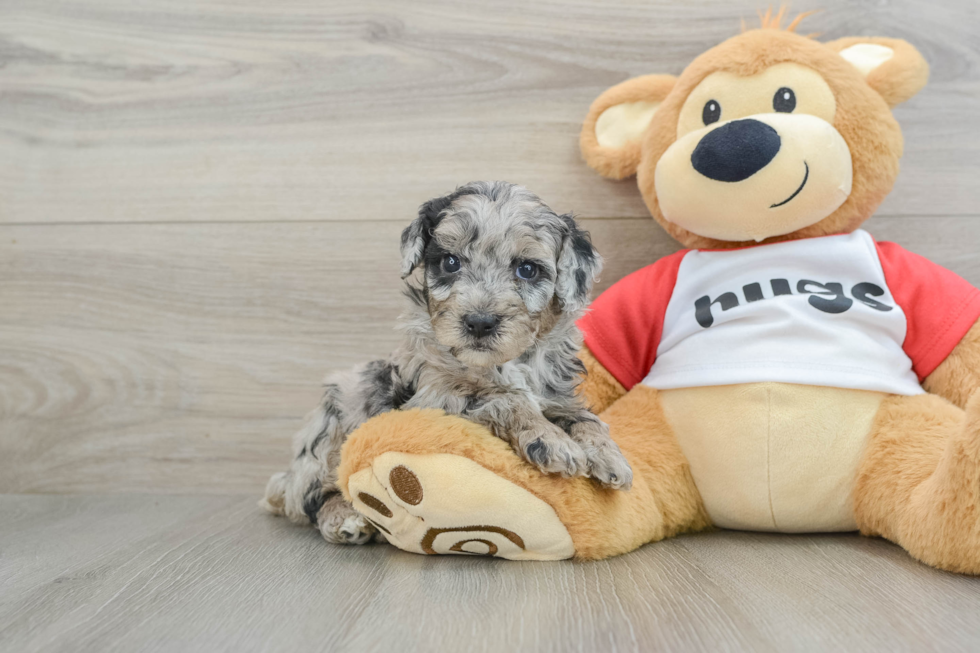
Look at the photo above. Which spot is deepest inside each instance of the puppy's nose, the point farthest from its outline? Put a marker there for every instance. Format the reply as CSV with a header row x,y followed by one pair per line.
x,y
481,325
736,151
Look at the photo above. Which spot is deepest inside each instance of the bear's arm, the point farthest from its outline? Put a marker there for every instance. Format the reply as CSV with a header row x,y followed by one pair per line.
x,y
942,311
599,388
622,329
958,376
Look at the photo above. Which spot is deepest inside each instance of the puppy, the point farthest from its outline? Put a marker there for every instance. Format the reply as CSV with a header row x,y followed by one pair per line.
x,y
496,281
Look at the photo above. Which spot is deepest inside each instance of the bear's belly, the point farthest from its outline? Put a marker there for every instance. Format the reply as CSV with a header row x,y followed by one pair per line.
x,y
774,456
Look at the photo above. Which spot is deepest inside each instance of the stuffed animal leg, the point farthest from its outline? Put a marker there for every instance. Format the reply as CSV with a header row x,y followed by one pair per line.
x,y
434,483
440,484
919,482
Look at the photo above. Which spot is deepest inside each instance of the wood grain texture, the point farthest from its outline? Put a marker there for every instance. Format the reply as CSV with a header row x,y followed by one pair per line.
x,y
182,357
200,203
308,110
163,573
144,357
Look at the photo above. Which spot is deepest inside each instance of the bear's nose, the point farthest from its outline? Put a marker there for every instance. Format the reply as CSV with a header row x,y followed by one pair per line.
x,y
736,151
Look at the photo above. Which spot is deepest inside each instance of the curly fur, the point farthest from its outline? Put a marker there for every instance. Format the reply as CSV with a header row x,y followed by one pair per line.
x,y
520,380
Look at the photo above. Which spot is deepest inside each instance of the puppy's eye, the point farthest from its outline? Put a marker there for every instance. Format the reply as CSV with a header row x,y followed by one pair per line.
x,y
450,263
711,112
784,101
527,270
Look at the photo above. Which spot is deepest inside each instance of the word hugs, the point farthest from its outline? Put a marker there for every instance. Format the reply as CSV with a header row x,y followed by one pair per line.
x,y
827,297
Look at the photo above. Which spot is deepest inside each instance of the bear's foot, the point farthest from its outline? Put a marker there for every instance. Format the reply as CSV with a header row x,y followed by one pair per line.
x,y
444,503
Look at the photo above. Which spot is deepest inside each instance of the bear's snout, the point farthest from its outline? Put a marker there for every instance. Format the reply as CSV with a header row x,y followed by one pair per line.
x,y
793,170
736,151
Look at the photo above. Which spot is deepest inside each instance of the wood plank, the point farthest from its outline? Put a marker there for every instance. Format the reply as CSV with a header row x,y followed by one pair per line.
x,y
37,552
788,585
181,357
134,575
307,110
271,154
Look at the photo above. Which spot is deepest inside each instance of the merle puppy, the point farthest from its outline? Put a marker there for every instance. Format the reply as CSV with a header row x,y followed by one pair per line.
x,y
496,281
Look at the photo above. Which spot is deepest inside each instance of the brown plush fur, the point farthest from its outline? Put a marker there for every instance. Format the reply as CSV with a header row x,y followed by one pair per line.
x,y
919,481
958,377
601,522
919,478
599,387
622,162
863,118
899,78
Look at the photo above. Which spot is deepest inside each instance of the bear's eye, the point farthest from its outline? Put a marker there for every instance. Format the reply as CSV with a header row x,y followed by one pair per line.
x,y
450,263
527,270
784,101
711,112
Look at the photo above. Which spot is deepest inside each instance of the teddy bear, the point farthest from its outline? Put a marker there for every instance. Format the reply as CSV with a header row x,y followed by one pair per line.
x,y
784,372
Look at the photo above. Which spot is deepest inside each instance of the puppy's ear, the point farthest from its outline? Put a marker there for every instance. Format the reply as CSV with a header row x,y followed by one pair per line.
x,y
613,130
892,67
579,265
417,235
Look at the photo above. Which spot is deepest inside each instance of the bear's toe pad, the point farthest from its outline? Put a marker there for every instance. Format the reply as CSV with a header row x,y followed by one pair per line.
x,y
443,503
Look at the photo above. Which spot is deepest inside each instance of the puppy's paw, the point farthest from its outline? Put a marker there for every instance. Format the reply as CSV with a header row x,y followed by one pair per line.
x,y
607,464
347,528
275,494
551,450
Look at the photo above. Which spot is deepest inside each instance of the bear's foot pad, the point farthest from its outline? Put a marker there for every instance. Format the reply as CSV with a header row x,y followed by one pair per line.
x,y
443,503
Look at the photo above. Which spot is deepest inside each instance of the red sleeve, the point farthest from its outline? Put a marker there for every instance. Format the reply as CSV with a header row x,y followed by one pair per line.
x,y
939,306
623,326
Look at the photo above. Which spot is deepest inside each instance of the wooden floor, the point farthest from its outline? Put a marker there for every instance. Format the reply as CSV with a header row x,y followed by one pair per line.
x,y
210,573
199,209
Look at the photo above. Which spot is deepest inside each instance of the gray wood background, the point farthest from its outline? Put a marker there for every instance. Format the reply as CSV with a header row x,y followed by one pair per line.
x,y
199,209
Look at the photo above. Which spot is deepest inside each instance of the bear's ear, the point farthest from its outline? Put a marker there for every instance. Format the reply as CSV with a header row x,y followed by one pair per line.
x,y
612,131
891,66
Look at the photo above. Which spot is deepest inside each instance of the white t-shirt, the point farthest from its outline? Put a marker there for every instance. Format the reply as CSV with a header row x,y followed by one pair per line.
x,y
840,311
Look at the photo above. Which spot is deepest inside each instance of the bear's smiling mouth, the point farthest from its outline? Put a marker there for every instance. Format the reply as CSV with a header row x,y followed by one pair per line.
x,y
806,175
